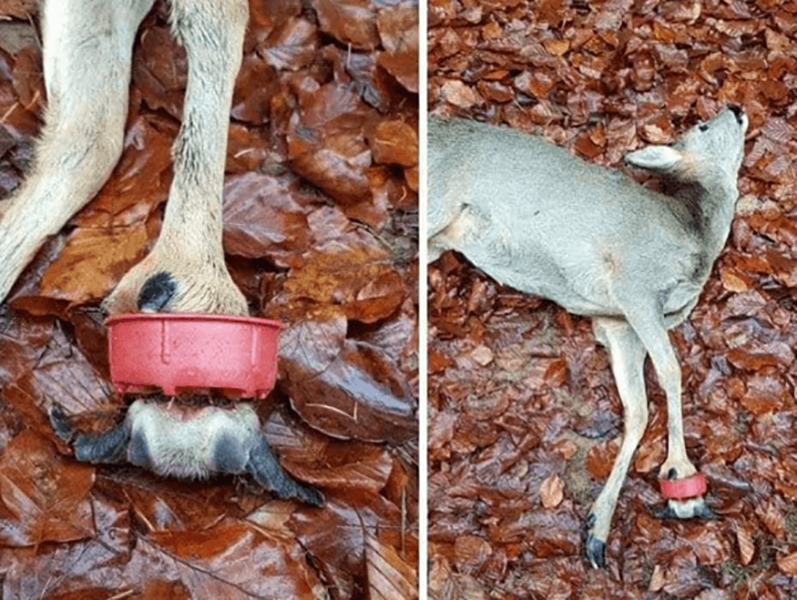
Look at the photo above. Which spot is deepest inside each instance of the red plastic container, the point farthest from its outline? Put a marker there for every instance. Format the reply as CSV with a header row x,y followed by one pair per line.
x,y
180,353
681,489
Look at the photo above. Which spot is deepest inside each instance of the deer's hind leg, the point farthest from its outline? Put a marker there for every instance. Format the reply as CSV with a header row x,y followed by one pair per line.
x,y
627,358
185,272
87,55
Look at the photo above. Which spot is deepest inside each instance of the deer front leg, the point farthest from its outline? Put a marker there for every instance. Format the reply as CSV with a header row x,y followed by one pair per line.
x,y
649,326
185,272
627,358
87,53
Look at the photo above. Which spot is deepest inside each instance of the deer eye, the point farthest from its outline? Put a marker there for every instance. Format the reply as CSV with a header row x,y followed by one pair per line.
x,y
703,127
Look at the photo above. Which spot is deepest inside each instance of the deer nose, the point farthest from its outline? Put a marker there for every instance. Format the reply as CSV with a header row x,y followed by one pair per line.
x,y
737,111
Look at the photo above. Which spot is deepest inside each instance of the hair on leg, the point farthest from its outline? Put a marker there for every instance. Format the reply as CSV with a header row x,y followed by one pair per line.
x,y
87,54
627,359
189,249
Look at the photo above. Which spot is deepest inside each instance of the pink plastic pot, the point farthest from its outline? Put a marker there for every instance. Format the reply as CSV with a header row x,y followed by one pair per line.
x,y
181,353
681,489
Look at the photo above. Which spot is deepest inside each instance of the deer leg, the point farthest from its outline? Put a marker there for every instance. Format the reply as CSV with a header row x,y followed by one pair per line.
x,y
87,54
628,358
185,272
665,362
648,324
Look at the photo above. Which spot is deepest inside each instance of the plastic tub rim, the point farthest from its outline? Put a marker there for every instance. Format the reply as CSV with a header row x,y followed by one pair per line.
x,y
191,317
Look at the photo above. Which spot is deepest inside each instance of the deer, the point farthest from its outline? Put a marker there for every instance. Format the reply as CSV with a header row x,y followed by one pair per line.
x,y
87,55
534,217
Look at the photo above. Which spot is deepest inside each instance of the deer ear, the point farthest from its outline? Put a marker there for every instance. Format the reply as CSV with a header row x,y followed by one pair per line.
x,y
654,158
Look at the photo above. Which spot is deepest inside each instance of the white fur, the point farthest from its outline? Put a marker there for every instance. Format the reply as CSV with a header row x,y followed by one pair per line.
x,y
686,509
181,441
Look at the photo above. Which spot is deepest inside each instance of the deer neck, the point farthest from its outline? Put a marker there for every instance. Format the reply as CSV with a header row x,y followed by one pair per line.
x,y
706,209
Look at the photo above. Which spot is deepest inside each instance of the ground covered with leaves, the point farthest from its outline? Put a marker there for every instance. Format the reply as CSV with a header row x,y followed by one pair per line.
x,y
320,211
525,420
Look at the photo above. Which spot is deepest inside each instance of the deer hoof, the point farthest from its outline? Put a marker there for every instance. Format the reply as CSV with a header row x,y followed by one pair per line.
x,y
593,546
704,512
595,549
310,495
156,293
60,424
694,508
158,286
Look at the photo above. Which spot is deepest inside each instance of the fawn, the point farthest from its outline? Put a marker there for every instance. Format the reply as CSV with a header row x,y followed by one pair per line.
x,y
534,217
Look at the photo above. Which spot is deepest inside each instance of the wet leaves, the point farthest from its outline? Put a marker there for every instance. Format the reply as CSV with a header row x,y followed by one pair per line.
x,y
19,9
320,231
263,218
238,559
344,388
44,495
603,78
114,232
388,575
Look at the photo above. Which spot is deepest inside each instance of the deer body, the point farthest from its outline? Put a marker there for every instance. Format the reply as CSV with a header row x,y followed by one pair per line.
x,y
546,223
536,218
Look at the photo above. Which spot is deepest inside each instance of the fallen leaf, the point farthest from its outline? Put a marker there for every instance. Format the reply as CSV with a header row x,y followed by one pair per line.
x,y
552,491
45,496
744,537
389,576
340,387
657,579
788,564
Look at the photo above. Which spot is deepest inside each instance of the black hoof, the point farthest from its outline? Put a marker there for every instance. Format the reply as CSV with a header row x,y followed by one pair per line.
x,y
704,512
595,552
663,512
60,424
310,495
289,489
593,547
268,473
156,293
694,508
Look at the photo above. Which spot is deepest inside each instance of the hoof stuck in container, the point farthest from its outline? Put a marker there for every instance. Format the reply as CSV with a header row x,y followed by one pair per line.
x,y
179,353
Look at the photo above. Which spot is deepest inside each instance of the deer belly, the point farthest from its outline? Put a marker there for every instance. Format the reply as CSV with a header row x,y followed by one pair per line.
x,y
572,278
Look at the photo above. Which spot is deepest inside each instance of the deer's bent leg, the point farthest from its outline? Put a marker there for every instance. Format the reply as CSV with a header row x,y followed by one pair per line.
x,y
185,272
627,358
650,328
648,323
87,55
